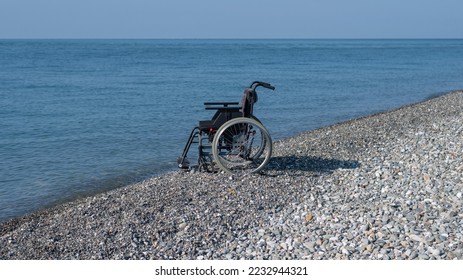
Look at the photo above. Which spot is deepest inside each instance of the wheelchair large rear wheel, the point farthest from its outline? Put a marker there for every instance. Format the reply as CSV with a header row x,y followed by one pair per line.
x,y
242,146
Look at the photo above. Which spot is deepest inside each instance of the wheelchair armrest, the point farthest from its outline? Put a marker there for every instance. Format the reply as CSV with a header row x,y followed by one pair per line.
x,y
213,105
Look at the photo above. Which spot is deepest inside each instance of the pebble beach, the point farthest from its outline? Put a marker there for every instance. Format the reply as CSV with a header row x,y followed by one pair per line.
x,y
385,186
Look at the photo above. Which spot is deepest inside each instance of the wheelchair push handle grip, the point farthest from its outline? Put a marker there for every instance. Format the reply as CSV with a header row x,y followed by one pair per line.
x,y
269,86
255,84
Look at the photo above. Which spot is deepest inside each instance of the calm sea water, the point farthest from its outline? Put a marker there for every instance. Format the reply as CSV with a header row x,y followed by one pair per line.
x,y
83,116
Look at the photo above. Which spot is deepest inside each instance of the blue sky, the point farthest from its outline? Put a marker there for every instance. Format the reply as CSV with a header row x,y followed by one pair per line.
x,y
231,19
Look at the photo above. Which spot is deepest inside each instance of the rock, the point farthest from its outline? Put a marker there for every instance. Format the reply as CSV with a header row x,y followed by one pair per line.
x,y
416,238
433,251
310,246
182,226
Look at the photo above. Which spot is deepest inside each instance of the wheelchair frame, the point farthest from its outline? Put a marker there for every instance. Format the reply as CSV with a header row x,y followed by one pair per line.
x,y
234,140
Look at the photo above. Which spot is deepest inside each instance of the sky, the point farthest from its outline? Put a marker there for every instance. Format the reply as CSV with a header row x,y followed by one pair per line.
x,y
256,19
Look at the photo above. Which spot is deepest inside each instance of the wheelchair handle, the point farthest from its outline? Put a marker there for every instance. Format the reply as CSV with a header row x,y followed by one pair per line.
x,y
256,84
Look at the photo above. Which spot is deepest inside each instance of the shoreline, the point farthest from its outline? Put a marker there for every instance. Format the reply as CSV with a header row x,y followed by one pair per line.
x,y
135,181
383,186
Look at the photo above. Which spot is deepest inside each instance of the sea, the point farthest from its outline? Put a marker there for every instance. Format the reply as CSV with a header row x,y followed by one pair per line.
x,y
80,117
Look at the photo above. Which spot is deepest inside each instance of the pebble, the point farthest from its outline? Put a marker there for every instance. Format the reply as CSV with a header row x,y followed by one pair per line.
x,y
386,186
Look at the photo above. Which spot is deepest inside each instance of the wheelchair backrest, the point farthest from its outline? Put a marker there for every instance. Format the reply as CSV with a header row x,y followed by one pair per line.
x,y
247,102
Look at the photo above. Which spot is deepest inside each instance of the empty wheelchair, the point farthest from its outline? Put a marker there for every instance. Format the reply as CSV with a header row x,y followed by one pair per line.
x,y
234,140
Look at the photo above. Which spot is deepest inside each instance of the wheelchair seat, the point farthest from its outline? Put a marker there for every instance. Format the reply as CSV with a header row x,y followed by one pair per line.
x,y
223,114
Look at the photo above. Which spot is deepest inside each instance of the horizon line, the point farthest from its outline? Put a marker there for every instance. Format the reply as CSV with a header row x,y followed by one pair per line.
x,y
199,38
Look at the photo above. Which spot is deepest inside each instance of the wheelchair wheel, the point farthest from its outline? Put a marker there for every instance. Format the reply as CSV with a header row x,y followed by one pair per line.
x,y
241,146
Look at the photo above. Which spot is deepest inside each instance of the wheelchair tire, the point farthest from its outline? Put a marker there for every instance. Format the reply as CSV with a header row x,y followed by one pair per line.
x,y
242,146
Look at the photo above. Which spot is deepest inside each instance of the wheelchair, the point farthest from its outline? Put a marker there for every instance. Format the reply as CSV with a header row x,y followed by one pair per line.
x,y
234,140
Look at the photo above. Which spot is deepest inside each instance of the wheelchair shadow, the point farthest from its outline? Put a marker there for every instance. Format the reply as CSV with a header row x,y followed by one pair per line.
x,y
309,164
